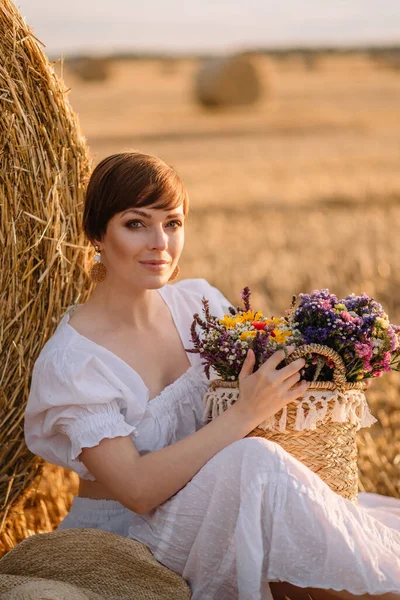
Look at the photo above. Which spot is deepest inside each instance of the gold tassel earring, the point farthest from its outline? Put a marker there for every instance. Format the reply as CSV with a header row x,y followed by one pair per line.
x,y
98,271
174,273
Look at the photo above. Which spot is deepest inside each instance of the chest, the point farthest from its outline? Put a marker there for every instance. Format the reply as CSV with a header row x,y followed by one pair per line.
x,y
158,357
157,354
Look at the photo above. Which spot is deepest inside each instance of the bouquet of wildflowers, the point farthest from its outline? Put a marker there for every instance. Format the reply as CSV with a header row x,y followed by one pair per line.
x,y
356,327
223,343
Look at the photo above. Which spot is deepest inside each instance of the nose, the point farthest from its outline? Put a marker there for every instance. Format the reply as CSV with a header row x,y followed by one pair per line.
x,y
158,239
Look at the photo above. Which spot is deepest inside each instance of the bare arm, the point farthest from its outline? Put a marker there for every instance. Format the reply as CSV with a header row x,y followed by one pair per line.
x,y
143,483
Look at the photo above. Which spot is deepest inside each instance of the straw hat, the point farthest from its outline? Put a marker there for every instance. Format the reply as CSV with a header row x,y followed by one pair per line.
x,y
86,564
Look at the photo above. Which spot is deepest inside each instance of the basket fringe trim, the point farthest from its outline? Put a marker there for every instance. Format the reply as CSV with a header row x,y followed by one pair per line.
x,y
312,408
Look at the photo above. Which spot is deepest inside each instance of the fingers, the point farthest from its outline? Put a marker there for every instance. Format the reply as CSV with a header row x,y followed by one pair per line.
x,y
288,383
298,390
248,365
273,360
290,370
268,369
278,357
293,394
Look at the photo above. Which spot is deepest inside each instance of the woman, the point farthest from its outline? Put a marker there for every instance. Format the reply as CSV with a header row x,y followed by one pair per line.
x,y
116,397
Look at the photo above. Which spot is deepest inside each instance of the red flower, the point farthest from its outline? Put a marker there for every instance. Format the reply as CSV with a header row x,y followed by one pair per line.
x,y
260,325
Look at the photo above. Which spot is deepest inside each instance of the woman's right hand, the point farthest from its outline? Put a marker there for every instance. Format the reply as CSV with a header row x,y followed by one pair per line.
x,y
267,390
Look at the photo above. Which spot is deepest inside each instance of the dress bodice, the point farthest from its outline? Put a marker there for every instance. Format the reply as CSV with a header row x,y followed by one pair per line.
x,y
81,392
174,414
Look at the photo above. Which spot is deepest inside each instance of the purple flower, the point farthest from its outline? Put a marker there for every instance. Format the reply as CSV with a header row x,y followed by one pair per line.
x,y
350,327
346,316
367,367
377,373
245,296
363,350
386,360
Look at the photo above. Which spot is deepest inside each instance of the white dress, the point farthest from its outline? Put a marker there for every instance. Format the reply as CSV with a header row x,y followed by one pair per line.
x,y
252,515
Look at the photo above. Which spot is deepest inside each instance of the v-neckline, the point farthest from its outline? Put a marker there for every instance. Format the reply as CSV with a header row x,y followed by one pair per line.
x,y
123,362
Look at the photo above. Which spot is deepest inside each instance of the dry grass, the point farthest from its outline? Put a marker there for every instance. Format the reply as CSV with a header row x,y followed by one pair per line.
x,y
303,191
317,135
44,163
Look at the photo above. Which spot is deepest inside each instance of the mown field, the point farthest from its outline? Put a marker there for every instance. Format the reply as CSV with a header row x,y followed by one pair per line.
x,y
299,192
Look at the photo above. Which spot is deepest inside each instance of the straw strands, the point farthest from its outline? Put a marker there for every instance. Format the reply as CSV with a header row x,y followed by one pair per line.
x,y
44,165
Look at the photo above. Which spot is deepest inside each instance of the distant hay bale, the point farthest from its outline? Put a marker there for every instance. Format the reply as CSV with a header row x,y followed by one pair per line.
x,y
44,165
227,81
391,60
90,68
169,65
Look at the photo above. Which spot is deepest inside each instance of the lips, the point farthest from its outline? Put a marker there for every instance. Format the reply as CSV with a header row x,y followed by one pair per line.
x,y
154,262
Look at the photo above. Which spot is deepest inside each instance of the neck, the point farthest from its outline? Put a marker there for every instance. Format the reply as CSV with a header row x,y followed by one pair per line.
x,y
135,308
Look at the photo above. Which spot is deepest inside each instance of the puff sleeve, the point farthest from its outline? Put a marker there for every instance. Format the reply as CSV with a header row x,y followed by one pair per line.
x,y
75,401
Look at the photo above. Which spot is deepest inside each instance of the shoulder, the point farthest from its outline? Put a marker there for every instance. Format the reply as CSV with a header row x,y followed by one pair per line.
x,y
65,366
73,371
59,342
192,292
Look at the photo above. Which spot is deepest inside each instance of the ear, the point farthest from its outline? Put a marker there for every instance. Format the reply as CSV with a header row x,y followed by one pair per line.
x,y
95,243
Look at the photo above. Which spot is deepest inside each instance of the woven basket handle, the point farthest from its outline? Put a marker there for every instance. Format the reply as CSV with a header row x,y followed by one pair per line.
x,y
339,371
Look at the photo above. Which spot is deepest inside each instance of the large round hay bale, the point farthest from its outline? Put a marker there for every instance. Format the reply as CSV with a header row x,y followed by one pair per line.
x,y
227,81
90,68
44,166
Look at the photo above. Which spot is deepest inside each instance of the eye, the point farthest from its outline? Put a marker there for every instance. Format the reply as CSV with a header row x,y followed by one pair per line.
x,y
134,224
175,224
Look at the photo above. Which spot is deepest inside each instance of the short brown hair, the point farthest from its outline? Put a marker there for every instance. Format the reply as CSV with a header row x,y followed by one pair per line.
x,y
127,180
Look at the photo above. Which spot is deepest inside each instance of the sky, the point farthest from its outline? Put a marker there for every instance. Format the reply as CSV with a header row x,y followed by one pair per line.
x,y
179,26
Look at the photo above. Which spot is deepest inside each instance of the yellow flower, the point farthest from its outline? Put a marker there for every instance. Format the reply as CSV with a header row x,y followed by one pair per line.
x,y
247,334
228,321
249,316
281,336
340,307
274,321
383,323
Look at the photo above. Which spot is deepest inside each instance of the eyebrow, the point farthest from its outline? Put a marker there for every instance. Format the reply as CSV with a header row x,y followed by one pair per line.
x,y
142,213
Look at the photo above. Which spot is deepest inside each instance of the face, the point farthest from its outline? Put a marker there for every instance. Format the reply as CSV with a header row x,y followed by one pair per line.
x,y
142,247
